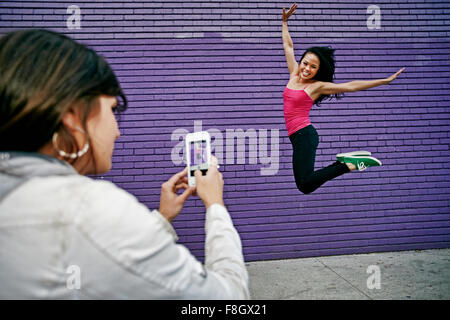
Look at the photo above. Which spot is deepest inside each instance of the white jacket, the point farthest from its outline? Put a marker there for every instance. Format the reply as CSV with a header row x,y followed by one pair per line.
x,y
63,235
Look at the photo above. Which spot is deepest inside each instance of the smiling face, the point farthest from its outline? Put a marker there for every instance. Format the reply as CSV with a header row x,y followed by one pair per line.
x,y
309,66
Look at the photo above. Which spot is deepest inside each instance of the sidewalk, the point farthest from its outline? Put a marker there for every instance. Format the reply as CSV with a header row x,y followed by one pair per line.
x,y
402,276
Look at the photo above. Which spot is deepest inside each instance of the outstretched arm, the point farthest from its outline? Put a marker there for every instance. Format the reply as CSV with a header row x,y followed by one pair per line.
x,y
288,45
328,88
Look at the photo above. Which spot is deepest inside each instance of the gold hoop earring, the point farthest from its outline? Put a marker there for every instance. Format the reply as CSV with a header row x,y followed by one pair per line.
x,y
69,155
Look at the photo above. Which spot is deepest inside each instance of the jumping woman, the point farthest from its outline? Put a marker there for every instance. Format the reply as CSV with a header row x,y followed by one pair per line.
x,y
311,81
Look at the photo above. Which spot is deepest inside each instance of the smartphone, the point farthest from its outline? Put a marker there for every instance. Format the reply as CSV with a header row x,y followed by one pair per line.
x,y
198,154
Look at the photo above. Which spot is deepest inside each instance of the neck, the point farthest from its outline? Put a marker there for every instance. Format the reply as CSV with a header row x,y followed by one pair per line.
x,y
305,82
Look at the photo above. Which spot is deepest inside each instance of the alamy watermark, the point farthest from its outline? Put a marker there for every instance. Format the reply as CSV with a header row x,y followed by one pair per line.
x,y
74,20
374,280
374,20
73,281
223,147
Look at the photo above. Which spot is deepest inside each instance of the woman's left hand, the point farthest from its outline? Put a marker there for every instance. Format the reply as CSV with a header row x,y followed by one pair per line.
x,y
170,204
394,76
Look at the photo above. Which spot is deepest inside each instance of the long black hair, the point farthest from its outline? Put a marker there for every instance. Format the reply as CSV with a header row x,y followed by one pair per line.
x,y
326,68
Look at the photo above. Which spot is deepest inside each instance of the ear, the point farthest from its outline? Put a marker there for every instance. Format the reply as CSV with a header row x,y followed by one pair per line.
x,y
71,120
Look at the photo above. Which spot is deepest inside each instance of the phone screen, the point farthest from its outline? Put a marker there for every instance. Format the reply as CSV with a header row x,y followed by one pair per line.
x,y
199,157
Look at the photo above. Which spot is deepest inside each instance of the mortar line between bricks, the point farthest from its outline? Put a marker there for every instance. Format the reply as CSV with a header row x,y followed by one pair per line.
x,y
362,292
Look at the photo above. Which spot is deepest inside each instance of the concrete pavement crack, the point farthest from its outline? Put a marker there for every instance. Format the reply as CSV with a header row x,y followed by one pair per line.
x,y
357,289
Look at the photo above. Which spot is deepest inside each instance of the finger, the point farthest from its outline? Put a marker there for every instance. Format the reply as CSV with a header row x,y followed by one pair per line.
x,y
197,174
184,180
212,168
293,7
177,176
181,180
214,161
183,197
181,186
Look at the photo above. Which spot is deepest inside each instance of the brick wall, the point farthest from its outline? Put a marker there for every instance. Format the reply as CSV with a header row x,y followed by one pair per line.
x,y
220,65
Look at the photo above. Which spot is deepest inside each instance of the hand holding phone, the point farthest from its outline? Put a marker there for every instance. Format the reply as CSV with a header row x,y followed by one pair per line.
x,y
210,187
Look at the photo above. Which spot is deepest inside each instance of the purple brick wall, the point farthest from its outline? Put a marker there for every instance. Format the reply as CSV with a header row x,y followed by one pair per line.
x,y
222,63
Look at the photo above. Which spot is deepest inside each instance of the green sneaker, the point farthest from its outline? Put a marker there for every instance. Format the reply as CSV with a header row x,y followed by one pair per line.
x,y
340,156
362,162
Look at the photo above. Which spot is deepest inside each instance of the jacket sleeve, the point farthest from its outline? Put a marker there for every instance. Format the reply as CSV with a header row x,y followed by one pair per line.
x,y
223,253
136,255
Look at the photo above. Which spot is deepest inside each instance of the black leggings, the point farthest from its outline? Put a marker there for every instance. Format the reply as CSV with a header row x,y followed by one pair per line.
x,y
305,142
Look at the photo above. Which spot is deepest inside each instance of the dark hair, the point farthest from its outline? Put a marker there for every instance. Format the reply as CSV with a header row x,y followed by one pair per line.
x,y
326,68
42,75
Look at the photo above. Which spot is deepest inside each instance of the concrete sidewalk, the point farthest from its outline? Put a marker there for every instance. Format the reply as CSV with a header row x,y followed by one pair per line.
x,y
398,275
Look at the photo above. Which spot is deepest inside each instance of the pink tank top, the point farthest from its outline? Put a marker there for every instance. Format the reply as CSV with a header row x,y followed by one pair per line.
x,y
297,104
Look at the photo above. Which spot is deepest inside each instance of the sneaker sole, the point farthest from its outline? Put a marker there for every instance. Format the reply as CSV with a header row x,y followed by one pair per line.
x,y
366,157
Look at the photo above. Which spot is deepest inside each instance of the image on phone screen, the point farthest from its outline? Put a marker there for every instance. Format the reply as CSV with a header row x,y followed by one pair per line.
x,y
199,156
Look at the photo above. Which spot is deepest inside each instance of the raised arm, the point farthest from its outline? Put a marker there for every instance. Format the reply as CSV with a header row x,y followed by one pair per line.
x,y
328,88
288,45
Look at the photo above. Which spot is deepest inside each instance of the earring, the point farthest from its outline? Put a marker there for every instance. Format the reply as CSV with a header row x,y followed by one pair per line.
x,y
69,155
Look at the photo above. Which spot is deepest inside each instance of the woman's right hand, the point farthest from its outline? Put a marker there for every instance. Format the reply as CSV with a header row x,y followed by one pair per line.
x,y
291,11
210,187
